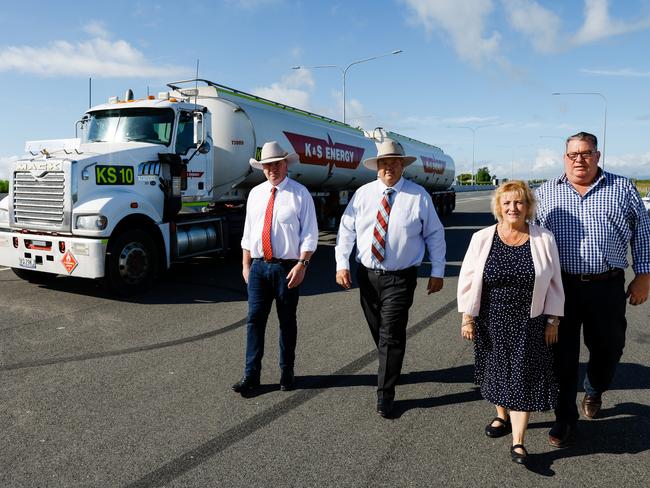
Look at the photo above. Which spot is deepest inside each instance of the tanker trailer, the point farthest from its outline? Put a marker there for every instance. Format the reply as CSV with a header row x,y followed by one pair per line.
x,y
160,179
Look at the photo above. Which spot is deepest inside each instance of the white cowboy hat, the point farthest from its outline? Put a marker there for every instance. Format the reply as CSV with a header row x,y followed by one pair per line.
x,y
272,152
388,148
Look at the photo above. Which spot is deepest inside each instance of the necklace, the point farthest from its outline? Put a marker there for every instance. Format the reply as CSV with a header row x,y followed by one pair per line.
x,y
508,241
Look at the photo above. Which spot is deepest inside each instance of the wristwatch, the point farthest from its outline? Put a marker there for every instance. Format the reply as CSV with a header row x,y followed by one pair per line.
x,y
551,321
304,262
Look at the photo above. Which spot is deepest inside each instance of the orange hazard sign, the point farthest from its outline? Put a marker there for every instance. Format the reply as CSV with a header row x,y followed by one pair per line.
x,y
69,262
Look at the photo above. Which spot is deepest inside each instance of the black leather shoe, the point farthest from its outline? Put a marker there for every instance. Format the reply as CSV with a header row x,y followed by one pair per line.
x,y
385,408
500,430
287,380
561,434
517,457
246,384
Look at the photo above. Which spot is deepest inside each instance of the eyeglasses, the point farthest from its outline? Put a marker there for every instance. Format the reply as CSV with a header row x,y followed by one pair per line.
x,y
573,156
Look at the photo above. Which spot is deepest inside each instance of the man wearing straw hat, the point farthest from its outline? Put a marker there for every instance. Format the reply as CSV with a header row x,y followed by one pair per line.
x,y
392,221
280,235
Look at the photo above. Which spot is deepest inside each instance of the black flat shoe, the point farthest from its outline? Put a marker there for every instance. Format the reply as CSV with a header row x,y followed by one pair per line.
x,y
499,430
518,457
246,384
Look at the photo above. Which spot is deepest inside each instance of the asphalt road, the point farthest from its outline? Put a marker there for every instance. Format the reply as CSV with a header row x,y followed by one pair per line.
x,y
96,392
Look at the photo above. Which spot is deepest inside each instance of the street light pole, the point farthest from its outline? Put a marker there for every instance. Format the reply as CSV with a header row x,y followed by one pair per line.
x,y
473,129
344,71
604,119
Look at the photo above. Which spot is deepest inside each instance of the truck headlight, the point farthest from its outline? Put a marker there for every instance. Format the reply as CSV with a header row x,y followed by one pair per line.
x,y
91,222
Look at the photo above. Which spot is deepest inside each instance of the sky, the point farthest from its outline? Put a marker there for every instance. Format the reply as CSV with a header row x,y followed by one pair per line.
x,y
475,77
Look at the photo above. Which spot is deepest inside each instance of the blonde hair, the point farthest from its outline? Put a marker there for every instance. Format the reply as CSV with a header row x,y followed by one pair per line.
x,y
518,187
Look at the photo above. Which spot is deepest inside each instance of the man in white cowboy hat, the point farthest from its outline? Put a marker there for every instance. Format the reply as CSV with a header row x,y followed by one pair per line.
x,y
280,235
392,220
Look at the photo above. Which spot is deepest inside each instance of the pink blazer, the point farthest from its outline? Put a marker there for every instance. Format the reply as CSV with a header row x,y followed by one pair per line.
x,y
548,294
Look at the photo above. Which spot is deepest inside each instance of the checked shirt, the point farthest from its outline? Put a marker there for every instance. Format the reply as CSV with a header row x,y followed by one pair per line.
x,y
593,231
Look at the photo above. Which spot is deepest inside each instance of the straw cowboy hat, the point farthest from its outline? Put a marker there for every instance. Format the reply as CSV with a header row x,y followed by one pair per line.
x,y
272,152
388,148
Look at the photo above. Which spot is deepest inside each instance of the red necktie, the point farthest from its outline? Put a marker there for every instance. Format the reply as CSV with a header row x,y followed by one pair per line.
x,y
266,231
378,247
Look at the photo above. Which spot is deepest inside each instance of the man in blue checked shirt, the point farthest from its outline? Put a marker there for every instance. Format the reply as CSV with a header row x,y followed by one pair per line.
x,y
595,216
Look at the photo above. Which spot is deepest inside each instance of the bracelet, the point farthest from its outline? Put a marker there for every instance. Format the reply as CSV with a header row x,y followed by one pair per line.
x,y
467,322
553,321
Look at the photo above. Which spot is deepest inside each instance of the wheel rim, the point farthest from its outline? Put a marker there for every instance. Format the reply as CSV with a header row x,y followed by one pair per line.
x,y
134,263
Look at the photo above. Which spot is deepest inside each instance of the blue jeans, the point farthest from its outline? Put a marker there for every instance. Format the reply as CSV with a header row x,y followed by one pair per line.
x,y
268,282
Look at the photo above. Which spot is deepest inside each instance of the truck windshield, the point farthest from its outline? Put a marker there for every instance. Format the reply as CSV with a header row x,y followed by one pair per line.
x,y
133,124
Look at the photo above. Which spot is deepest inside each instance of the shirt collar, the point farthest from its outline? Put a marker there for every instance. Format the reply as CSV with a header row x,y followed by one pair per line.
x,y
600,176
281,186
397,186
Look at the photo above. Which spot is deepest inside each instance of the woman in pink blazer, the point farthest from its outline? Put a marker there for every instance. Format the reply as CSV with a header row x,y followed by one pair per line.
x,y
510,294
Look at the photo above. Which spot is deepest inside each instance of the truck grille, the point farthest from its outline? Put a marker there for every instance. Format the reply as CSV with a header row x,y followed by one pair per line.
x,y
39,201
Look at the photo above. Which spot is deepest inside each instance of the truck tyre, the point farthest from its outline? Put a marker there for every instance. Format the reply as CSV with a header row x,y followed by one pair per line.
x,y
132,263
35,277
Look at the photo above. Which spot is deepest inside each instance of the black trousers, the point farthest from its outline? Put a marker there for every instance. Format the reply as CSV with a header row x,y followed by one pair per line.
x,y
599,307
386,299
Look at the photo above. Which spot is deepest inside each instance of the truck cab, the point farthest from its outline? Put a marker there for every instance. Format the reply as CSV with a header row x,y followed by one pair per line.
x,y
111,203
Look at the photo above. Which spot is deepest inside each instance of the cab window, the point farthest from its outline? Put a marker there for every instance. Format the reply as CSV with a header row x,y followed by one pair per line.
x,y
185,134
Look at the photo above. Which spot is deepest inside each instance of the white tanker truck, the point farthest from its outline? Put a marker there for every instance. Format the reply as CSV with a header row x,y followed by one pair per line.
x,y
157,180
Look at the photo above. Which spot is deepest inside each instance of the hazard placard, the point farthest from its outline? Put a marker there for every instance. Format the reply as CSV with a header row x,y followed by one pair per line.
x,y
69,262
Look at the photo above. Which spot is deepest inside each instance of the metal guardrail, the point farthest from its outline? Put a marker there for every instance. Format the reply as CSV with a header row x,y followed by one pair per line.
x,y
464,188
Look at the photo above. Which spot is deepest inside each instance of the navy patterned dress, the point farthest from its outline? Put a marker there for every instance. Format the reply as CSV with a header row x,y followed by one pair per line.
x,y
514,366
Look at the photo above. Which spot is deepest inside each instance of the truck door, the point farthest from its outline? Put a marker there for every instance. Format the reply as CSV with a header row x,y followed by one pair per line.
x,y
197,169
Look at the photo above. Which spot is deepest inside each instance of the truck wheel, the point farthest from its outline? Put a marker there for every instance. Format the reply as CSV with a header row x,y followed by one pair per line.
x,y
35,277
132,263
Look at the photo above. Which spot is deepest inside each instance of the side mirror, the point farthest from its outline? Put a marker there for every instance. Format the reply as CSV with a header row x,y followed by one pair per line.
x,y
199,129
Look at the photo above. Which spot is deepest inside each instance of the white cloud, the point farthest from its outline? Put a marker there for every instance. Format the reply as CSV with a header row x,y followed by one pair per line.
x,y
599,25
294,89
547,164
464,23
5,166
534,21
623,72
97,57
472,120
96,28
631,165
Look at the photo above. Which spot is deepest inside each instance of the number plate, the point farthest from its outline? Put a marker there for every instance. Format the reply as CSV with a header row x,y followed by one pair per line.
x,y
27,263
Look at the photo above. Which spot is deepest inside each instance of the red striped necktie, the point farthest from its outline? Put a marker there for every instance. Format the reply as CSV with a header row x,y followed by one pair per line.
x,y
267,248
378,247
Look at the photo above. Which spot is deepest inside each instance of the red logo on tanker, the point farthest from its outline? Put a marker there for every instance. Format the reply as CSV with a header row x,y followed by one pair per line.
x,y
321,152
433,165
69,262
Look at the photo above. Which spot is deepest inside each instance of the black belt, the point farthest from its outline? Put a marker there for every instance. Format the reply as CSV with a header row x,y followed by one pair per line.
x,y
607,275
397,272
277,261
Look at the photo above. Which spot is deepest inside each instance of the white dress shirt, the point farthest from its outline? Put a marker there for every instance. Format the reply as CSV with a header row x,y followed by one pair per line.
x,y
412,225
294,229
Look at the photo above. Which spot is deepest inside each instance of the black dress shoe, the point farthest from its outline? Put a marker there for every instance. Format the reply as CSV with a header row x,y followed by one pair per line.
x,y
287,380
561,434
500,430
246,384
517,457
385,408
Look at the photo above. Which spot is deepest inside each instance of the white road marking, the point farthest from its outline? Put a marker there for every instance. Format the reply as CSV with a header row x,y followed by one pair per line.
x,y
5,269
